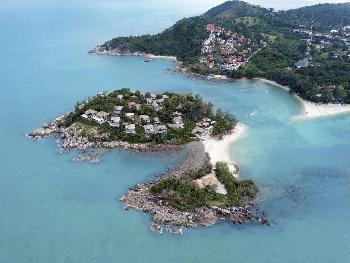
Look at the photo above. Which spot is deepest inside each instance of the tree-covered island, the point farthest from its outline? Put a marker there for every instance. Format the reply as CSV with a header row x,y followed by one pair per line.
x,y
194,192
306,49
145,118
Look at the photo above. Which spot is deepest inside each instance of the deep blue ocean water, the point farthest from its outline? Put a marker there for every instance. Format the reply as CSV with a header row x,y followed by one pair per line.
x,y
55,210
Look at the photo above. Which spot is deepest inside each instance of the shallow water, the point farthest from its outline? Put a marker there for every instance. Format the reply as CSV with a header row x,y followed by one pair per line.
x,y
55,210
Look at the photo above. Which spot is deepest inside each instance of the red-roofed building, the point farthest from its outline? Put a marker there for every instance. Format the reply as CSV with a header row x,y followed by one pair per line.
x,y
211,27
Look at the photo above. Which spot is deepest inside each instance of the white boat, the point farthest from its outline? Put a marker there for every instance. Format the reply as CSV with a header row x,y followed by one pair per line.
x,y
148,59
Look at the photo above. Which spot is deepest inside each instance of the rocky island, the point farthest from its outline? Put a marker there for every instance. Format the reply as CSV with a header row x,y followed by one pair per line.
x,y
198,191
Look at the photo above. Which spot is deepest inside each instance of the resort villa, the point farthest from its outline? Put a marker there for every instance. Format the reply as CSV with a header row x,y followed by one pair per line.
x,y
129,117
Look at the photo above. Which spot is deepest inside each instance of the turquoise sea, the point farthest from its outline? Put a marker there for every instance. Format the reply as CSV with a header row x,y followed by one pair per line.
x,y
55,210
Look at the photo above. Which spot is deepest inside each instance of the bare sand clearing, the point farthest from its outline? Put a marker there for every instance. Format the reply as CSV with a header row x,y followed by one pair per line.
x,y
219,150
312,110
211,180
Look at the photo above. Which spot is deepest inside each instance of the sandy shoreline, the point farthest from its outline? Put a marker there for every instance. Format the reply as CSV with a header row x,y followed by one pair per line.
x,y
311,110
116,53
172,58
219,150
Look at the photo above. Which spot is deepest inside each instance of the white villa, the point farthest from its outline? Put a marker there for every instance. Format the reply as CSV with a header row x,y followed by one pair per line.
x,y
118,110
88,114
161,129
148,129
130,128
151,125
100,117
114,122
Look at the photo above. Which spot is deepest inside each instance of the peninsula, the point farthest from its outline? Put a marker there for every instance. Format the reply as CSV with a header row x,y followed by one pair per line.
x,y
201,189
305,49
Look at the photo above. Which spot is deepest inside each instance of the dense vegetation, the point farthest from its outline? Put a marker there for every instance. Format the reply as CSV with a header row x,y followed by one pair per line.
x,y
325,81
183,40
192,109
323,17
185,195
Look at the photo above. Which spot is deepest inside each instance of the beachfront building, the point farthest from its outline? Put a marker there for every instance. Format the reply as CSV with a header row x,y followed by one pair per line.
x,y
148,129
130,128
203,128
118,110
161,129
88,114
100,117
114,122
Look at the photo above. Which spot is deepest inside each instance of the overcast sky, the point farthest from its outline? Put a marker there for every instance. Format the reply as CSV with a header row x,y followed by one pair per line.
x,y
188,7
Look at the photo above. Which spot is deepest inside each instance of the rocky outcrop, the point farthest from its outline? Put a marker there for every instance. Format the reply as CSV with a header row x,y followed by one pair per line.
x,y
71,139
140,198
108,51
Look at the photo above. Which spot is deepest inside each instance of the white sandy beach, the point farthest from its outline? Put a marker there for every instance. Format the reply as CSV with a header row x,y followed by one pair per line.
x,y
219,150
162,57
312,110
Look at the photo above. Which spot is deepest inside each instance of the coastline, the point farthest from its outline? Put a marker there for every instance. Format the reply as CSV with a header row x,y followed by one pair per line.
x,y
315,111
219,150
179,68
311,110
141,198
172,58
100,51
70,139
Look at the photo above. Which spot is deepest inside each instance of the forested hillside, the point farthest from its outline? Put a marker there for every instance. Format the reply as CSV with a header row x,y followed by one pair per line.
x,y
307,49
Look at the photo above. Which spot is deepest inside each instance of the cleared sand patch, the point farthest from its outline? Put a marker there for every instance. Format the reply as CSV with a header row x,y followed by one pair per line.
x,y
211,180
